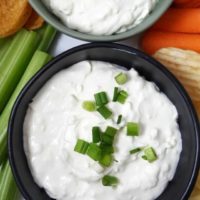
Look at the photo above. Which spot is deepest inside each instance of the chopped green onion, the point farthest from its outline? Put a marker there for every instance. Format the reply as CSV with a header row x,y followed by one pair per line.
x,y
110,180
144,157
107,139
107,148
108,136
105,112
101,98
94,152
119,119
150,154
111,131
115,95
81,146
96,134
89,106
106,160
121,78
133,129
136,150
122,96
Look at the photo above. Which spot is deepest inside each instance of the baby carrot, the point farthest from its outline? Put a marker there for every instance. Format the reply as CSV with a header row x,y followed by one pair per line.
x,y
154,40
187,3
186,20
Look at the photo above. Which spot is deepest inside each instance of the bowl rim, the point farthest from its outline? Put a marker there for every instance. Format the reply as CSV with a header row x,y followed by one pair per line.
x,y
145,24
129,50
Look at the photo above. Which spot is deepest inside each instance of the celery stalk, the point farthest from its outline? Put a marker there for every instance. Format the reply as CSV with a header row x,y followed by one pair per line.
x,y
15,61
8,188
4,45
47,33
39,59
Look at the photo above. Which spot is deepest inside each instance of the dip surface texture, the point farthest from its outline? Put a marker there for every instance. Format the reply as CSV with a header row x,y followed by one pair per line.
x,y
101,17
55,120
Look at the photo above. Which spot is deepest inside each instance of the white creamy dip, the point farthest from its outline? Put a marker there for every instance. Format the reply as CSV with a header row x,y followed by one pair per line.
x,y
101,17
55,120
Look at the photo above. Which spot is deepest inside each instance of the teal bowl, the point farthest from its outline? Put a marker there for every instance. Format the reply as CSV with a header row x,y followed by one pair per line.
x,y
42,10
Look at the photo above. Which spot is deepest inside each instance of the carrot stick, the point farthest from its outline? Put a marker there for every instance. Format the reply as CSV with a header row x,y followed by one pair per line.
x,y
187,3
185,20
181,1
155,40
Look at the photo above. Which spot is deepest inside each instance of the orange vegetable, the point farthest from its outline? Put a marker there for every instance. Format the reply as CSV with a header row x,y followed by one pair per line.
x,y
187,3
155,40
182,1
186,20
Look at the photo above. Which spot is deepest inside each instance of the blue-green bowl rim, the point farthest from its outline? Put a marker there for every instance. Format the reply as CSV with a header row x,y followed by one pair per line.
x,y
42,10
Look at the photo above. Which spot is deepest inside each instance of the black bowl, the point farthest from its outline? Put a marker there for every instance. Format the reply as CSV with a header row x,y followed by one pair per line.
x,y
181,185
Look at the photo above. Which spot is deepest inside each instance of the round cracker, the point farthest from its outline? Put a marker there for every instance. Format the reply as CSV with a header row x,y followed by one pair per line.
x,y
13,16
34,21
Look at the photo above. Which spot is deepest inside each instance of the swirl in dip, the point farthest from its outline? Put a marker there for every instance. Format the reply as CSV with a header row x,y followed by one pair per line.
x,y
101,17
55,120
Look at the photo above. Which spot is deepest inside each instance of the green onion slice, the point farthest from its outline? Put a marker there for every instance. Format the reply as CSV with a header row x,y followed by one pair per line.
x,y
106,160
81,146
110,180
115,94
94,152
136,150
121,78
89,106
107,139
150,154
105,112
133,129
144,157
101,98
122,96
119,119
111,131
106,148
96,134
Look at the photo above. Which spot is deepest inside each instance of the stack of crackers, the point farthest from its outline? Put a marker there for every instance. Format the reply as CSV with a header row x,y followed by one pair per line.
x,y
15,14
185,65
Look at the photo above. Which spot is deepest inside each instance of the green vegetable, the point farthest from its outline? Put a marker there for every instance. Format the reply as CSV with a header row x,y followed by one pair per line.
x,y
4,45
133,129
81,146
96,134
119,119
106,148
89,106
121,78
18,55
150,154
101,98
107,139
94,152
15,61
38,60
144,157
115,94
106,160
109,135
111,131
8,186
47,33
136,150
122,96
110,180
105,112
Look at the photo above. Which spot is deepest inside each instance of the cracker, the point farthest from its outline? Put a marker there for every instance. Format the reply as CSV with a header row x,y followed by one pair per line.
x,y
13,16
34,21
185,65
